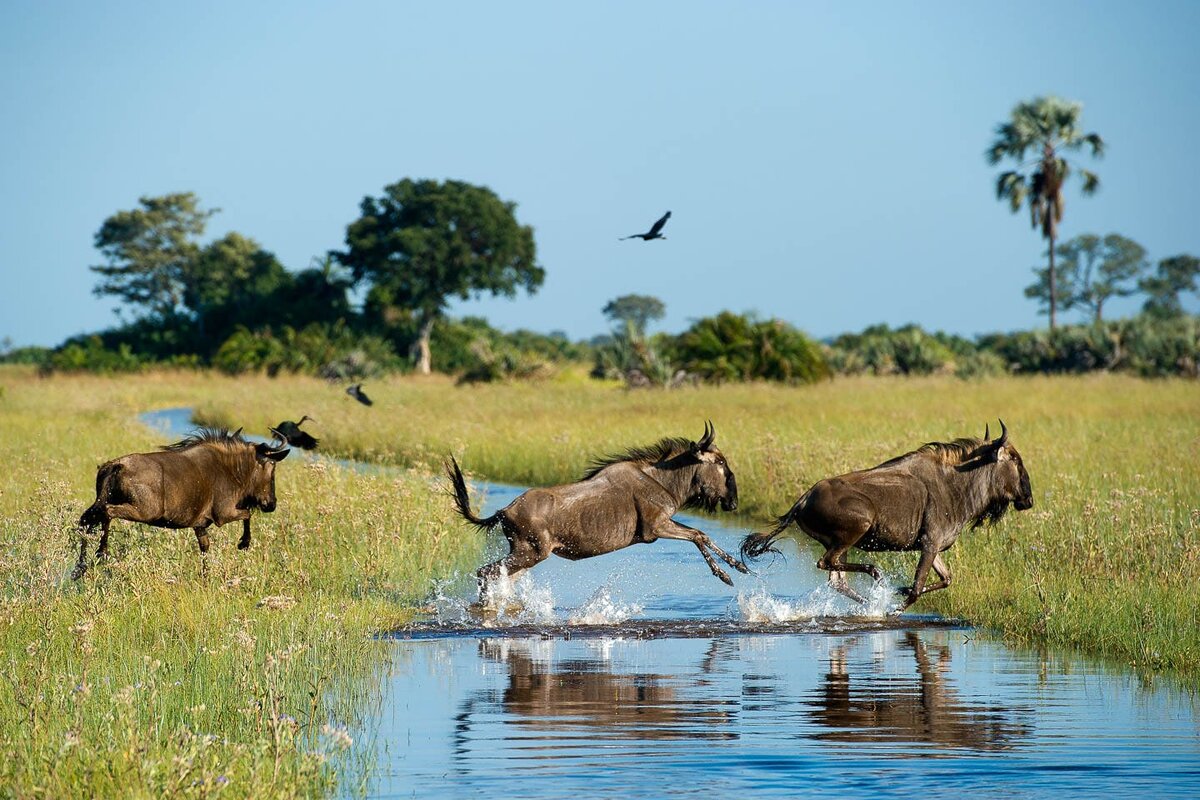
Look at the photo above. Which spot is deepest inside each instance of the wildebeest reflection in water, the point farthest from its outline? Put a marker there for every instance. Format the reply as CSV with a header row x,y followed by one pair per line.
x,y
883,709
580,696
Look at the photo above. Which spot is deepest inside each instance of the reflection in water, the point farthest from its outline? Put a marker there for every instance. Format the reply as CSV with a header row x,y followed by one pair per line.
x,y
576,698
873,707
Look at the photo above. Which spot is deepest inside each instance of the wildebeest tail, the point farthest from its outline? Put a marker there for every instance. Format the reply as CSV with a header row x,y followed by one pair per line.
x,y
105,478
462,501
759,544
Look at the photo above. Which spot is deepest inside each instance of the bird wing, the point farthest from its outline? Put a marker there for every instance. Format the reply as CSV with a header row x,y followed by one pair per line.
x,y
658,226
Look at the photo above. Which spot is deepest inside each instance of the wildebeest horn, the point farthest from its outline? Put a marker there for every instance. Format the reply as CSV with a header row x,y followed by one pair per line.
x,y
1003,435
987,432
706,441
282,439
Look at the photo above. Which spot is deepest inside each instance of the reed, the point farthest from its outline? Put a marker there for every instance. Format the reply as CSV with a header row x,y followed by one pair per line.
x,y
1106,562
156,676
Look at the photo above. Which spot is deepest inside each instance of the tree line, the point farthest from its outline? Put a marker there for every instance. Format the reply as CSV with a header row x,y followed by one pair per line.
x,y
231,304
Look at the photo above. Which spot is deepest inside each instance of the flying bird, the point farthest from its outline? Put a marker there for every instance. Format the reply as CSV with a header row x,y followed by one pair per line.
x,y
290,432
358,394
655,231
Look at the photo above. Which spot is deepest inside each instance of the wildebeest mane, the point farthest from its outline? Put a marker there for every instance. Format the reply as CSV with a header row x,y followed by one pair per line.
x,y
206,435
949,453
662,450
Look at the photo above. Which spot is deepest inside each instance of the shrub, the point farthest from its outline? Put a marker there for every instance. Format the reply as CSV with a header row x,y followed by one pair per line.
x,y
733,347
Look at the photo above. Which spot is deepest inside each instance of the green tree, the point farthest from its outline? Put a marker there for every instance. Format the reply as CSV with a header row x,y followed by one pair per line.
x,y
734,347
424,242
1174,276
1048,126
150,252
1092,271
233,281
637,310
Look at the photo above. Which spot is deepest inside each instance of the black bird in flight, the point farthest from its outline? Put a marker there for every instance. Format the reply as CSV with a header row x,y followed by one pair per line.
x,y
291,432
358,394
655,231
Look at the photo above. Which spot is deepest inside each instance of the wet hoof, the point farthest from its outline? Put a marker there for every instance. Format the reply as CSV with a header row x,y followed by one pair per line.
x,y
904,590
77,573
725,578
876,574
741,567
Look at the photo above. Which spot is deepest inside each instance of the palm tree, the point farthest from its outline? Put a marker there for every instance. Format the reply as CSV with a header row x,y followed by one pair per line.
x,y
1048,126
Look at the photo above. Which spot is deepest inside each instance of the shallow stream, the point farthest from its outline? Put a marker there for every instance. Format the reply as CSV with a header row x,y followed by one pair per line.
x,y
639,674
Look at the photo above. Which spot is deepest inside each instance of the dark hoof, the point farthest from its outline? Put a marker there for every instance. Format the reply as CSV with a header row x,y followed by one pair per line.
x,y
904,590
243,545
725,578
77,573
742,568
876,574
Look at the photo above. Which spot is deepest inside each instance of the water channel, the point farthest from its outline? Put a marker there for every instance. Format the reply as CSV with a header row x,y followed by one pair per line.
x,y
640,674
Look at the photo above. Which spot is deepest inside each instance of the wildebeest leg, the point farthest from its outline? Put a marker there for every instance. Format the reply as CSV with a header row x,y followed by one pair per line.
x,y
943,572
835,562
676,530
521,557
244,542
102,550
202,539
918,587
81,564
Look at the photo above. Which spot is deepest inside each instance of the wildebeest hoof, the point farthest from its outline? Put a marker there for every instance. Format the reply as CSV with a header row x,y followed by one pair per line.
x,y
77,573
243,545
875,574
721,574
742,568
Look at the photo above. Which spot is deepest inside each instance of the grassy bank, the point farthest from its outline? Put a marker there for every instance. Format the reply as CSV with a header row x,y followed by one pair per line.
x,y
1107,561
155,678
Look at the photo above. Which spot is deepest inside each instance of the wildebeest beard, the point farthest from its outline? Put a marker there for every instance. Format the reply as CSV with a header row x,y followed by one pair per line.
x,y
992,514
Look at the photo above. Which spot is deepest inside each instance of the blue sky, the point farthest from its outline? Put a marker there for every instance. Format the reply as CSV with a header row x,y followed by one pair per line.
x,y
823,160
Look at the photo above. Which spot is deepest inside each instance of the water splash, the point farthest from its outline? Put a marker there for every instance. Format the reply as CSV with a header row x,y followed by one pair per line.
x,y
602,609
760,606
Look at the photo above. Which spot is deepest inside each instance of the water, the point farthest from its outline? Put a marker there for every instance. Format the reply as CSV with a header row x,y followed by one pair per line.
x,y
640,674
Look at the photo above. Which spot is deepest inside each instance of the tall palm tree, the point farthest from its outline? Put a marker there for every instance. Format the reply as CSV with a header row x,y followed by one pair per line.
x,y
1048,126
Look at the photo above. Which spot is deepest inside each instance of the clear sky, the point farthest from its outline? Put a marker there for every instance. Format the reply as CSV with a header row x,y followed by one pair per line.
x,y
824,161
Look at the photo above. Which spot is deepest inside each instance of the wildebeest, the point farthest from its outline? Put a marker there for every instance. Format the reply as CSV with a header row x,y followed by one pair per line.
x,y
918,501
208,478
622,500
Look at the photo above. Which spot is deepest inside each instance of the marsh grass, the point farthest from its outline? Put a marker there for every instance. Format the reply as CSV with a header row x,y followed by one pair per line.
x,y
156,676
1108,561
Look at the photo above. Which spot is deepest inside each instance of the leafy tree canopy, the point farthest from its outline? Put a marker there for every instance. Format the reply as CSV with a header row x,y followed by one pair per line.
x,y
1174,276
150,251
424,242
635,309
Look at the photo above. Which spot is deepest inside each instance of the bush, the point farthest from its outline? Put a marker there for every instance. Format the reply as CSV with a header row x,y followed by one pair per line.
x,y
639,360
906,351
333,351
733,347
503,363
91,355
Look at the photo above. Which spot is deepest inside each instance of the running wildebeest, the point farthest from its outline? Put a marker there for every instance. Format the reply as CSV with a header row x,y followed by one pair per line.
x,y
918,501
622,500
209,478
655,231
291,433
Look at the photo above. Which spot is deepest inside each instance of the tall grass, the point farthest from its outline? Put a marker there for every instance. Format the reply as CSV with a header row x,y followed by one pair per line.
x,y
160,676
1107,561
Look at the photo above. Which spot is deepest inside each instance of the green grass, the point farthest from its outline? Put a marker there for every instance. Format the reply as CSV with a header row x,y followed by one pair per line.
x,y
153,677
1106,562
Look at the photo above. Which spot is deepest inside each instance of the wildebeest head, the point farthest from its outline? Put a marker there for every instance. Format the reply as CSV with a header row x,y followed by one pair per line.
x,y
1009,480
262,479
712,481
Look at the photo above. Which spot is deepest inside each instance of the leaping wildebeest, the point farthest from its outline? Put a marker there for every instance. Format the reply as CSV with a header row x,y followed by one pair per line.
x,y
918,501
622,500
208,478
